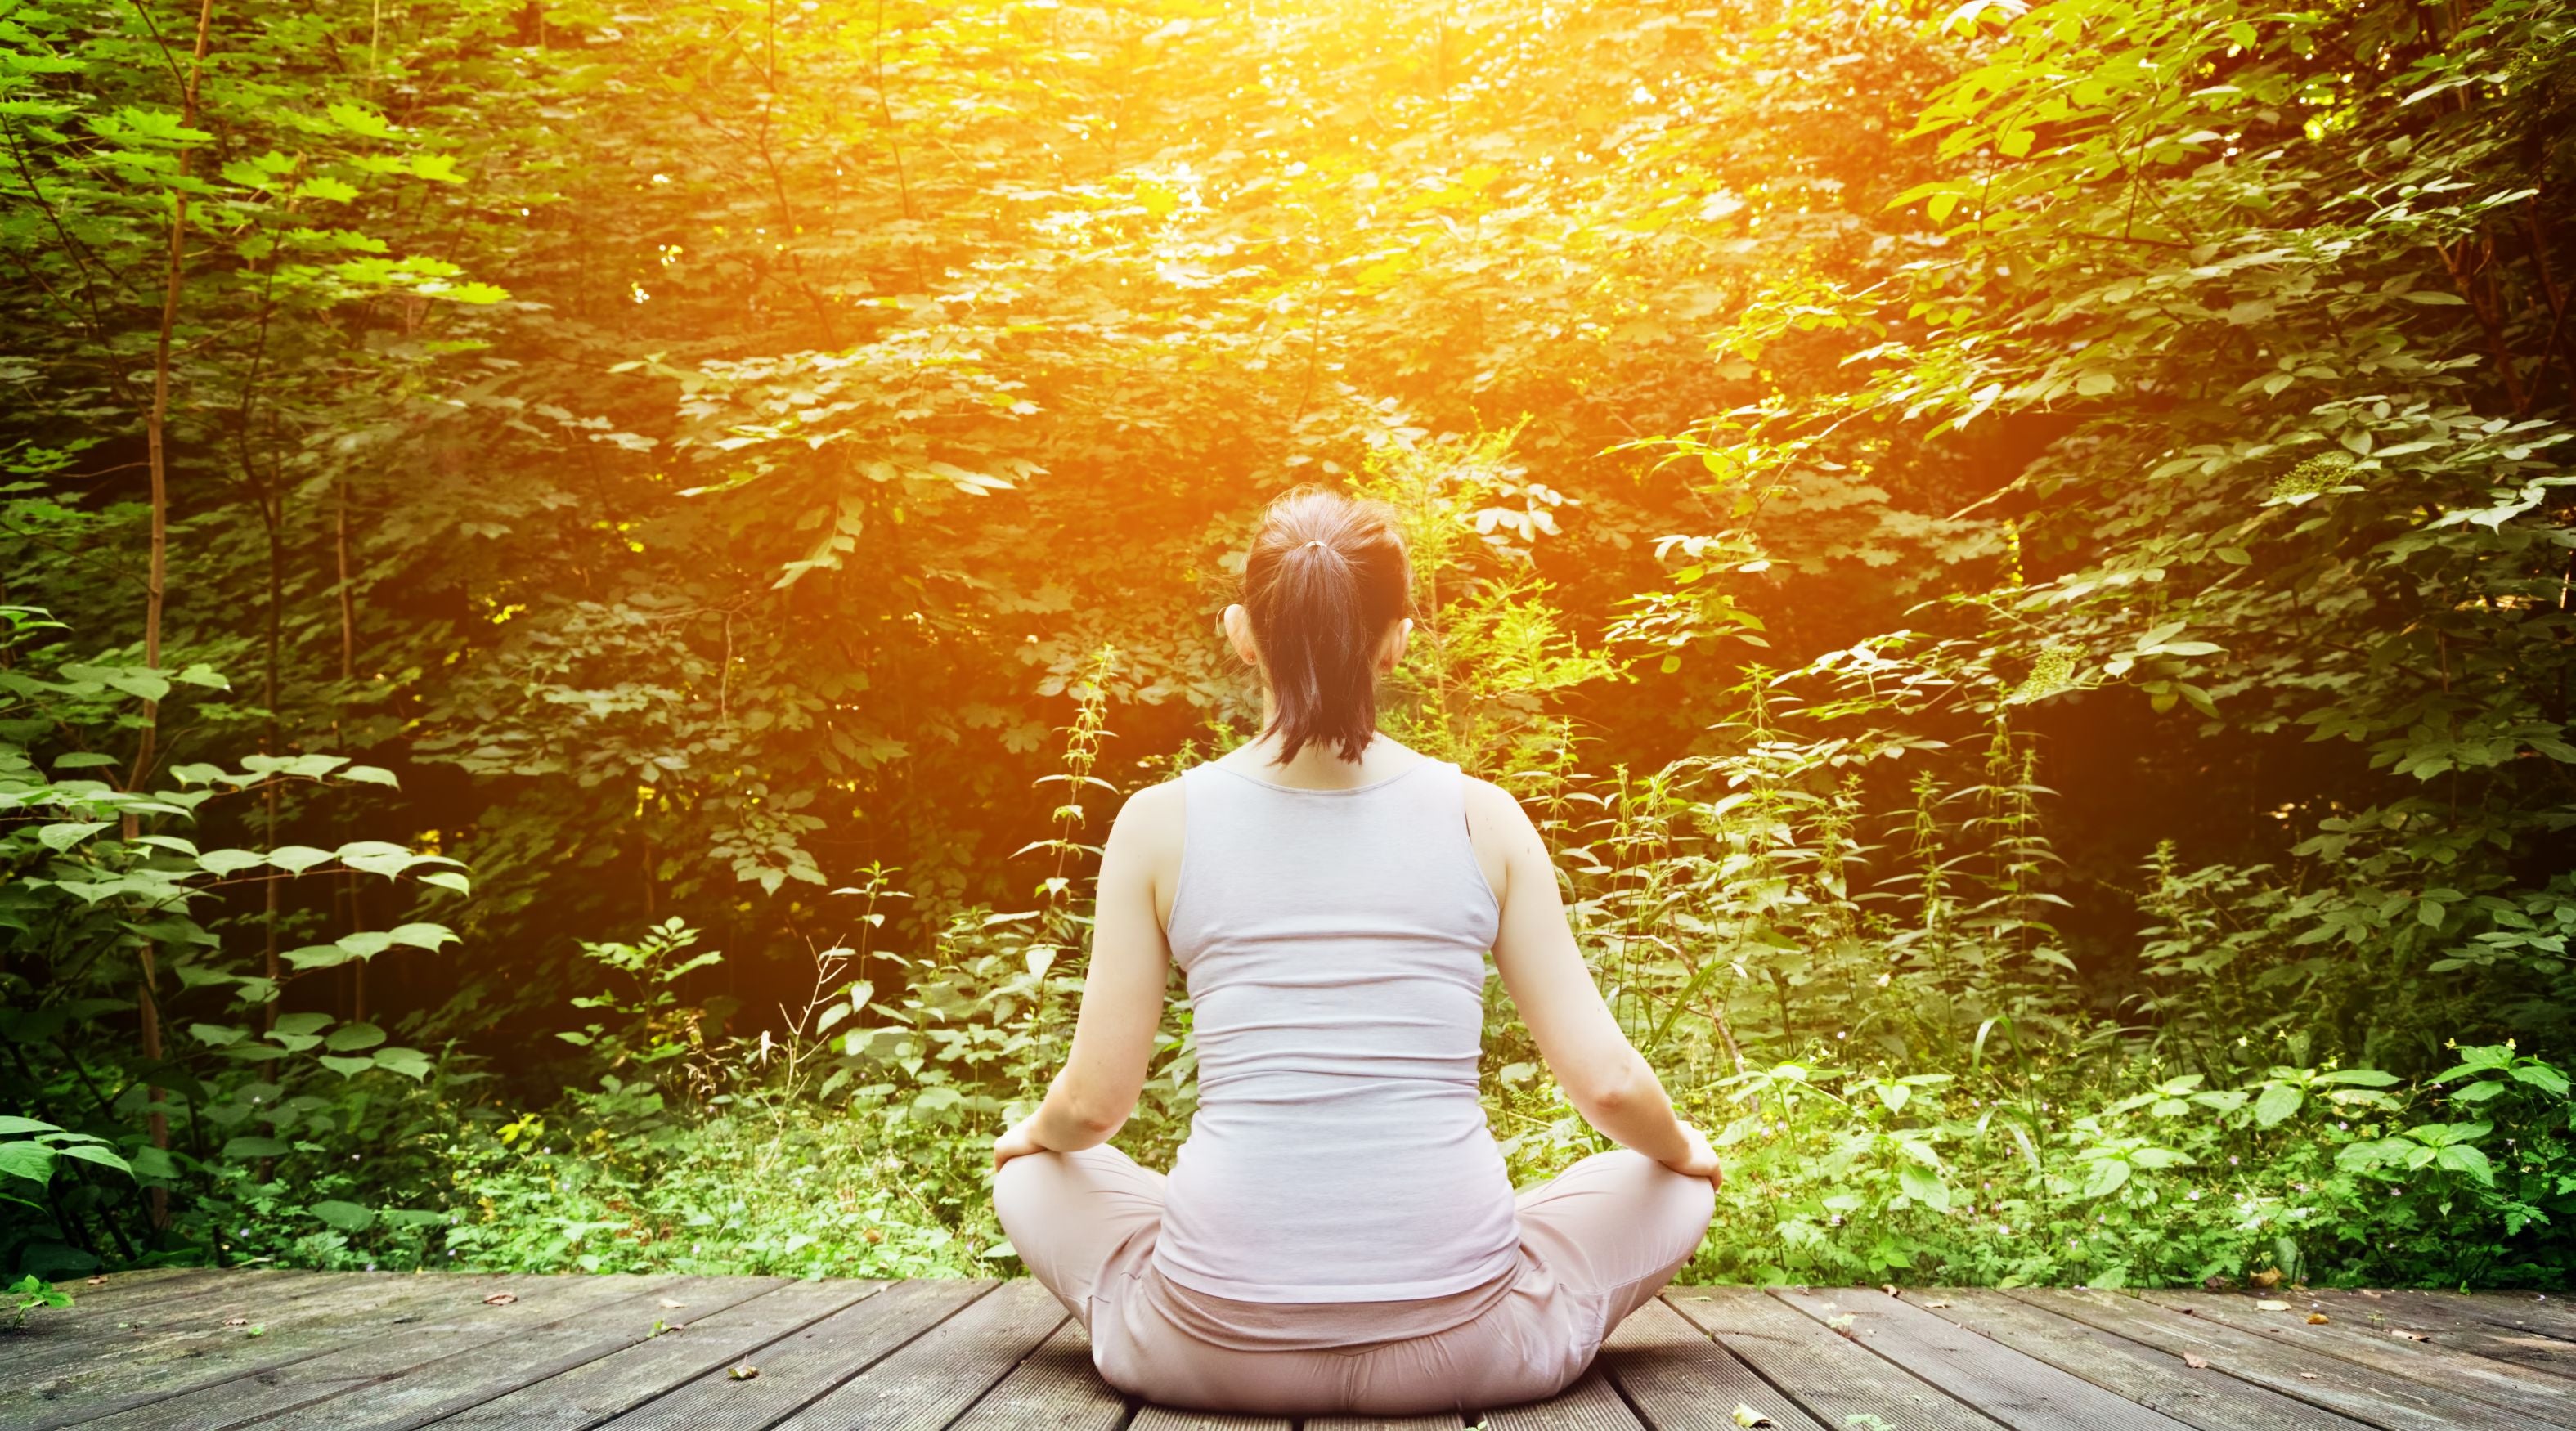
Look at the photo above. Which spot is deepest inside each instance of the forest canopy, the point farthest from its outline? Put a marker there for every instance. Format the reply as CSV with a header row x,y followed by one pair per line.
x,y
583,583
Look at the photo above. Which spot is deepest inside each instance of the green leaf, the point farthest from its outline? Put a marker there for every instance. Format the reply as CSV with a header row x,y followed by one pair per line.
x,y
11,1123
320,956
2543,1077
307,1023
2108,1176
224,862
1924,1186
92,1153
411,1063
346,1216
448,879
346,1067
349,1038
32,1161
60,838
2278,1101
327,189
2461,1158
246,1148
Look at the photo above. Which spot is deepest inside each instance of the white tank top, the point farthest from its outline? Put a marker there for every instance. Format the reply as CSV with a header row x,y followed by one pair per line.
x,y
1334,943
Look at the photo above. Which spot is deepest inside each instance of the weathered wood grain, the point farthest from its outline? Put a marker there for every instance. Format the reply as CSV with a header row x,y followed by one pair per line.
x,y
1163,1418
2394,1403
2019,1391
1588,1405
415,1398
930,1381
199,1351
1831,1377
265,1394
2534,1393
1679,1379
396,1352
1055,1389
2438,1315
2202,1396
707,1341
801,1366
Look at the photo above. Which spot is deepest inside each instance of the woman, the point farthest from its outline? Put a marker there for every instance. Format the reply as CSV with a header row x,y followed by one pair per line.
x,y
1339,1233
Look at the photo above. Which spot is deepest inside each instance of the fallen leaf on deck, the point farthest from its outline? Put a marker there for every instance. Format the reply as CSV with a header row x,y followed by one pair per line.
x,y
668,1303
1888,1287
742,1373
2196,1363
2271,1304
2318,1319
1939,1302
237,1321
1747,1416
2410,1336
98,1281
2309,1376
2268,1278
500,1299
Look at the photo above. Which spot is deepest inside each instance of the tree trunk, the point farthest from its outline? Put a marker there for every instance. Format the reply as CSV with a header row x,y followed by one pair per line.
x,y
156,584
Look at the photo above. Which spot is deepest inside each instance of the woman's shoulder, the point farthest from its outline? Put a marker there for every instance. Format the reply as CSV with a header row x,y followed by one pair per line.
x,y
1152,814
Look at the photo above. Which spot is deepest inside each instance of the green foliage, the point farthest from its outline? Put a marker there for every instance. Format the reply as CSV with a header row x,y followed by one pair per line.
x,y
30,1293
763,480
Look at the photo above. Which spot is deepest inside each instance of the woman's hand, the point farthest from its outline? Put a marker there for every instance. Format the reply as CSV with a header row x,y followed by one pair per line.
x,y
1022,1140
1701,1161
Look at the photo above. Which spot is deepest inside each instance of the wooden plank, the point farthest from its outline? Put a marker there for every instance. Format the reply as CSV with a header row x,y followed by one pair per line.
x,y
1055,1390
123,1291
1831,1377
2531,1311
1163,1418
1588,1405
76,1329
201,1352
927,1383
806,1363
2020,1392
2200,1396
411,1399
1449,1421
1680,1380
2432,1315
709,1341
2533,1393
243,1400
2394,1403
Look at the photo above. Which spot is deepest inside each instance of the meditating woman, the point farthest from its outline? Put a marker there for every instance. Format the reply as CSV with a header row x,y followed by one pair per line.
x,y
1339,1233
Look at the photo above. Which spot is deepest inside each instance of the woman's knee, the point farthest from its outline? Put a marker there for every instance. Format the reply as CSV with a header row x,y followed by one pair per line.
x,y
1024,1183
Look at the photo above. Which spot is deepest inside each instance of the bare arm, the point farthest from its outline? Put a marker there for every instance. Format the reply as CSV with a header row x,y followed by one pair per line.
x,y
1122,997
1602,1074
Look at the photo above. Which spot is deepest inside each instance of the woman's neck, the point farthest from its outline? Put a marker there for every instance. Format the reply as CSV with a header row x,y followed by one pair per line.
x,y
1318,766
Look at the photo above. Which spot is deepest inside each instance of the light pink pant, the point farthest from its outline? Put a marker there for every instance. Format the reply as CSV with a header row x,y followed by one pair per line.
x,y
1597,1242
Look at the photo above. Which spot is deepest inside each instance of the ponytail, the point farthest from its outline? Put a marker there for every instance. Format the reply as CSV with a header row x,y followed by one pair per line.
x,y
1325,579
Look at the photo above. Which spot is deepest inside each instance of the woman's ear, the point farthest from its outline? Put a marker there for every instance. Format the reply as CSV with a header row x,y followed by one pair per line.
x,y
1391,651
1238,633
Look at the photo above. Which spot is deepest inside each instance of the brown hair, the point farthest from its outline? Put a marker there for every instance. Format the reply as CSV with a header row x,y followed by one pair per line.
x,y
1327,575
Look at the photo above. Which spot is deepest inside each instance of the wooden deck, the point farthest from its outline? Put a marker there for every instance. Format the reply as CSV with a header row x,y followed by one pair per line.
x,y
208,1350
